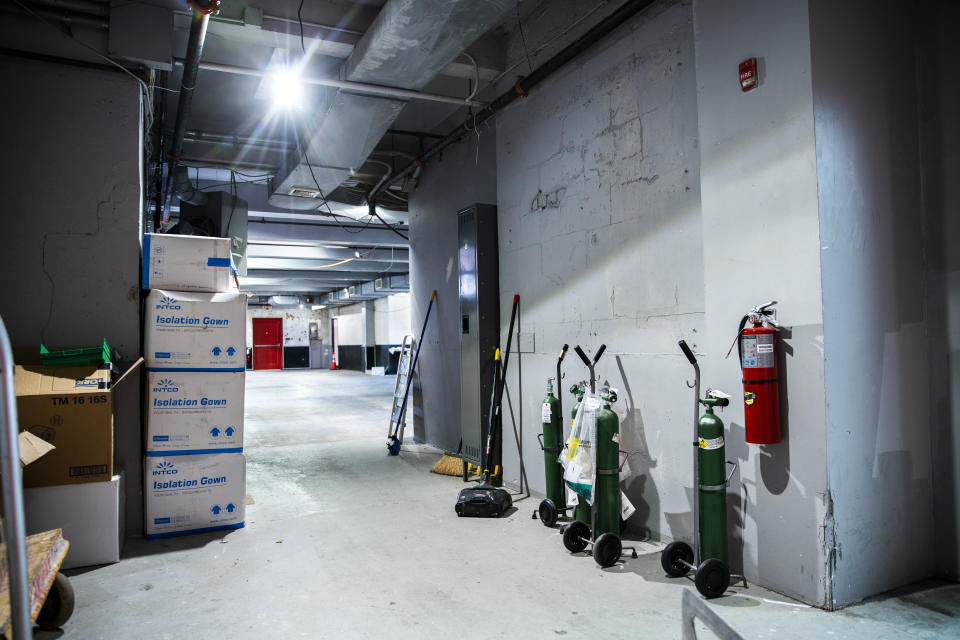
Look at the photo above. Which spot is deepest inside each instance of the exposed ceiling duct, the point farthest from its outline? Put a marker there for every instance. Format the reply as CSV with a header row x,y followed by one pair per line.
x,y
407,45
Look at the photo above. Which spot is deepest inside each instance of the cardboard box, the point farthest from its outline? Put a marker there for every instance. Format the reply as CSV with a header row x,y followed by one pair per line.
x,y
32,448
90,514
191,494
65,407
194,412
195,331
187,263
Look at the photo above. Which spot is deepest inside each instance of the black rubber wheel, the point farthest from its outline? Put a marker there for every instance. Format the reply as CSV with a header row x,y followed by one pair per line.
x,y
548,513
712,578
58,607
607,549
576,536
671,556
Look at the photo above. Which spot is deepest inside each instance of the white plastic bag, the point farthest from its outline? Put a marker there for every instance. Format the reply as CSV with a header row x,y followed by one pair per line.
x,y
579,457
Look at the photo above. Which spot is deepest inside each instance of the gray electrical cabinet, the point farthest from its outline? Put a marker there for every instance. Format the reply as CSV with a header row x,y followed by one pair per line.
x,y
479,276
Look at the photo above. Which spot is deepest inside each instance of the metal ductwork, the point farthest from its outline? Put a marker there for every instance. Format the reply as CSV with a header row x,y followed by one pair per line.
x,y
184,187
407,45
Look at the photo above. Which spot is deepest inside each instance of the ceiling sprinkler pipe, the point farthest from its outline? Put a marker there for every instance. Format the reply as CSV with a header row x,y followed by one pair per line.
x,y
524,84
191,66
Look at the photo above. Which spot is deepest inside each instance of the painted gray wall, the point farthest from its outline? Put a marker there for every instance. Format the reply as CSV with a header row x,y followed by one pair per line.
x,y
460,178
940,136
761,242
599,227
72,176
878,434
603,241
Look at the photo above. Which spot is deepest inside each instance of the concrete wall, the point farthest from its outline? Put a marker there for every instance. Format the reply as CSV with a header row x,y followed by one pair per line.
x,y
392,318
761,242
296,324
940,138
349,325
598,195
875,284
465,175
71,176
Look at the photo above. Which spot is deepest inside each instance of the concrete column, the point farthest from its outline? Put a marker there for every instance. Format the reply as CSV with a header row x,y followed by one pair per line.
x,y
368,331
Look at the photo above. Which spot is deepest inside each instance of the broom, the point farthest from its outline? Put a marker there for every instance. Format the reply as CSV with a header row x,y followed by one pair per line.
x,y
450,464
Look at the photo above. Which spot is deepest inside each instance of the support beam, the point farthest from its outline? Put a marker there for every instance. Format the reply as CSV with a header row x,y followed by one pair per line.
x,y
325,253
311,268
327,234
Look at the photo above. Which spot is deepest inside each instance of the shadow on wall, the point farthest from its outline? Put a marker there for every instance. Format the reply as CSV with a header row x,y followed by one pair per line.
x,y
640,488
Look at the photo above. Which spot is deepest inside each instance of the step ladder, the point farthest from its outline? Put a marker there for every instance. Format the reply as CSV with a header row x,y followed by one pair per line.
x,y
399,409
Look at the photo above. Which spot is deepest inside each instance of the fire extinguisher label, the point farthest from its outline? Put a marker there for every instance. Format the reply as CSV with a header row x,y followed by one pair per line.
x,y
758,351
749,397
712,443
545,414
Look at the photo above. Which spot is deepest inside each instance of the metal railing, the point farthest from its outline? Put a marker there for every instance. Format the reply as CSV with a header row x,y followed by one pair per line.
x,y
14,527
692,607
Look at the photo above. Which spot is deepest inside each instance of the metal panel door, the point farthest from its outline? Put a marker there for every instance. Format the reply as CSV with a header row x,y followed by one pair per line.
x,y
268,343
479,276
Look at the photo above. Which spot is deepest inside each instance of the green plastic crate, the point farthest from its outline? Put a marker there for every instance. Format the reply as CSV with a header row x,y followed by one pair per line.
x,y
93,355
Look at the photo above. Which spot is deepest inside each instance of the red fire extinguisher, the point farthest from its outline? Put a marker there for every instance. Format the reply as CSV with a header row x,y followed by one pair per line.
x,y
757,347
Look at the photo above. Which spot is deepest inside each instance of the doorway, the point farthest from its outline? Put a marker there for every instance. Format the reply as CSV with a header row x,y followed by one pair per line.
x,y
268,343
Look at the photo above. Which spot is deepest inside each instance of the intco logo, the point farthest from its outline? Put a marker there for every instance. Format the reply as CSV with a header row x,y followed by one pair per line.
x,y
166,386
165,469
166,302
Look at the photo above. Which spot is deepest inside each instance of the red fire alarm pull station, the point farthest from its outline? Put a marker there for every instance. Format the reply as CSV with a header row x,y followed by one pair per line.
x,y
748,74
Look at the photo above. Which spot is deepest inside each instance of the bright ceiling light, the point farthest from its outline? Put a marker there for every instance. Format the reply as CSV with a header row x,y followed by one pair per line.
x,y
286,88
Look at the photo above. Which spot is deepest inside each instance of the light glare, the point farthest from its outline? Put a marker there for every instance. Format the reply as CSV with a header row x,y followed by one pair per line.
x,y
286,88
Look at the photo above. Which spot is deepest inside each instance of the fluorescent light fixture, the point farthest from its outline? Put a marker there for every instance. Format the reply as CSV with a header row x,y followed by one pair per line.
x,y
317,307
286,88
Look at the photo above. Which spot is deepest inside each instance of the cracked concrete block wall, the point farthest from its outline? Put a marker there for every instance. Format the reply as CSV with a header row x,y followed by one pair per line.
x,y
600,235
71,243
761,231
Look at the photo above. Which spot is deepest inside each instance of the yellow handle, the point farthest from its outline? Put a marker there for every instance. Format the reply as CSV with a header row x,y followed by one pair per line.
x,y
433,295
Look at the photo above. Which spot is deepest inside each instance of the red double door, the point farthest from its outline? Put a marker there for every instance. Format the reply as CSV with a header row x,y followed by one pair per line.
x,y
268,343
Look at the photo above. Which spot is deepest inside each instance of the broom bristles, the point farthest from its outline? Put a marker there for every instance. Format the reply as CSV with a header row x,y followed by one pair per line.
x,y
448,465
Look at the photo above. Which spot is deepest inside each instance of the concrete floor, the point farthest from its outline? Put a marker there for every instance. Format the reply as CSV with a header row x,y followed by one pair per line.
x,y
344,542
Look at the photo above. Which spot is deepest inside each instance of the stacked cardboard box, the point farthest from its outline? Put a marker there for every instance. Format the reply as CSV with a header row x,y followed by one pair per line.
x,y
72,483
195,351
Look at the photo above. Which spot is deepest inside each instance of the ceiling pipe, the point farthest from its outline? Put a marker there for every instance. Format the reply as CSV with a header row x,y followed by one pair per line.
x,y
521,88
356,87
179,182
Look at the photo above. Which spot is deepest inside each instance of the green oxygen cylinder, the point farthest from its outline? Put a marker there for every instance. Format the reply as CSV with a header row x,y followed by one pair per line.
x,y
582,511
552,447
711,461
606,492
